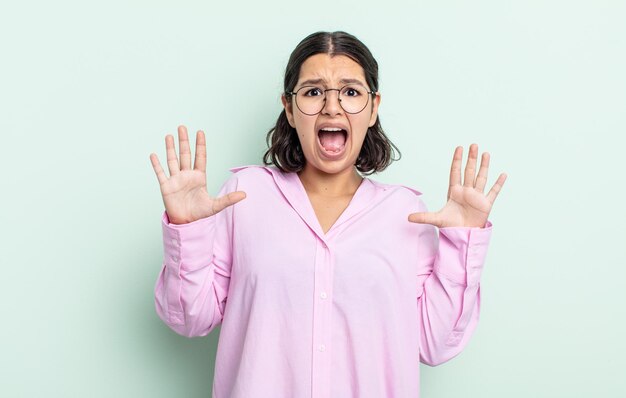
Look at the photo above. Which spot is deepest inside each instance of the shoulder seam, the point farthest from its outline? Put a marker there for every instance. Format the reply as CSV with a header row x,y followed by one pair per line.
x,y
388,186
415,191
239,168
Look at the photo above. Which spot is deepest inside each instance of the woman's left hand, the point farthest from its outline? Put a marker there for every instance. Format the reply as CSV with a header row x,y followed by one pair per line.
x,y
467,205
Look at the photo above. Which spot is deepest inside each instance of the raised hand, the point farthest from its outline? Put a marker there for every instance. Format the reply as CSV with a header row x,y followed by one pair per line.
x,y
467,204
184,193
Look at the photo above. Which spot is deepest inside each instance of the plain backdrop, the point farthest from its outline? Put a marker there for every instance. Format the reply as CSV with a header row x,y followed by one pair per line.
x,y
89,89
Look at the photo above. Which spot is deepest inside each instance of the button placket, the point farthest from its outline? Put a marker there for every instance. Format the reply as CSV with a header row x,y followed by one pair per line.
x,y
321,320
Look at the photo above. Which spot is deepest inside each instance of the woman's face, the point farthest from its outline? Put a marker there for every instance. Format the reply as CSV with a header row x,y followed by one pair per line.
x,y
342,149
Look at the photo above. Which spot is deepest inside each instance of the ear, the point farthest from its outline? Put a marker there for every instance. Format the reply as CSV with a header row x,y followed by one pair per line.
x,y
288,110
375,103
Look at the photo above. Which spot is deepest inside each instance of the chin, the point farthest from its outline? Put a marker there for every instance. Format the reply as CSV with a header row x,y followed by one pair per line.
x,y
333,166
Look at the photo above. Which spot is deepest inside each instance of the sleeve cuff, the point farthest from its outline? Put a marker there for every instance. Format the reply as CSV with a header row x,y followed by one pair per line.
x,y
462,253
195,237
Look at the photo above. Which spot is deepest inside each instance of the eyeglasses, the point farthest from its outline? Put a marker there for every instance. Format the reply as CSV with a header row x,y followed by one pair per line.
x,y
353,98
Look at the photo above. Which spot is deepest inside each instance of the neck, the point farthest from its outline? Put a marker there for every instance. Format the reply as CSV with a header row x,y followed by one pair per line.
x,y
344,183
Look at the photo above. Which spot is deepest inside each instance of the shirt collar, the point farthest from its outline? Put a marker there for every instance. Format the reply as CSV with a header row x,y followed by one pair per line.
x,y
367,195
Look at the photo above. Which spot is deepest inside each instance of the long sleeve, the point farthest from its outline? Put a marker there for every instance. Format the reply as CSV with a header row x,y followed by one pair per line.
x,y
192,287
449,304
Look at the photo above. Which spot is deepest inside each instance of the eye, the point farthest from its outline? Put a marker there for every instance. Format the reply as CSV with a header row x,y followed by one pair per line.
x,y
351,91
312,92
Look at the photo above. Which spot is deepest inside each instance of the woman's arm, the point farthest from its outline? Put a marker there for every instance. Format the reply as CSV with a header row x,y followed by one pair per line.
x,y
450,267
449,306
191,290
192,287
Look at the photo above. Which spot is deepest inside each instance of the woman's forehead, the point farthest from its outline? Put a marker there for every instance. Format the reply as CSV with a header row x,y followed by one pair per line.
x,y
326,69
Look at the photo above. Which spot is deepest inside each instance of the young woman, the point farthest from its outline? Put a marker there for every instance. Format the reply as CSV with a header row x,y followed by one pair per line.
x,y
326,283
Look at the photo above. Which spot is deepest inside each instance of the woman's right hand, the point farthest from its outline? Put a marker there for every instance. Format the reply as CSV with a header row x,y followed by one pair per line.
x,y
184,193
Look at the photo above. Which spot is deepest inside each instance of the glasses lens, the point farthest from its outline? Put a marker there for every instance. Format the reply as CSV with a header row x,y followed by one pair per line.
x,y
352,98
310,99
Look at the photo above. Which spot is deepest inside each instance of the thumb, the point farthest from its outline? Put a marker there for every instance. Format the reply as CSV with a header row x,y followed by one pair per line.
x,y
228,200
425,218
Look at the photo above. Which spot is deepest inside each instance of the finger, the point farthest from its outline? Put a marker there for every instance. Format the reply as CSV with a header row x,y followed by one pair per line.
x,y
172,160
227,200
425,218
470,167
455,169
481,179
156,165
200,162
183,147
497,187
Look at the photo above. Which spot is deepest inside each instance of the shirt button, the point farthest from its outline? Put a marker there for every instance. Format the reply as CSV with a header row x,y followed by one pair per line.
x,y
174,242
323,295
175,259
322,347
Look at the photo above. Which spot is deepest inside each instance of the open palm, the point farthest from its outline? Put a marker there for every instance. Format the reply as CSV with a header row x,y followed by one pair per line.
x,y
184,193
467,205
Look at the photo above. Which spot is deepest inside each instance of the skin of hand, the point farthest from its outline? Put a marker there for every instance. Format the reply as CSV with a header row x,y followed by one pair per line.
x,y
184,193
467,204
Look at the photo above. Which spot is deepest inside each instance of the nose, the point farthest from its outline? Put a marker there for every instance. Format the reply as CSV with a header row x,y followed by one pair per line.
x,y
332,105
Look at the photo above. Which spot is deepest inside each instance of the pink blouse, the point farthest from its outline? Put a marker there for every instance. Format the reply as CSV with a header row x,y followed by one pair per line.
x,y
349,313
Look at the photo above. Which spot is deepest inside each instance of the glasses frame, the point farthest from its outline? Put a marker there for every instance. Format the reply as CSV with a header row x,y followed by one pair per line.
x,y
338,90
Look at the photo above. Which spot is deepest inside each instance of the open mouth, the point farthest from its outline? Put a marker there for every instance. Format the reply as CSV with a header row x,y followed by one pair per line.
x,y
332,139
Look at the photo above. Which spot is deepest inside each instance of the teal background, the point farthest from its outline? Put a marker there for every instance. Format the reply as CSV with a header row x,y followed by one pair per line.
x,y
89,90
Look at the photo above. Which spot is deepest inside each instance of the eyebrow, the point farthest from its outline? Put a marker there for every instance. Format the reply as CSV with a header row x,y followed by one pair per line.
x,y
342,81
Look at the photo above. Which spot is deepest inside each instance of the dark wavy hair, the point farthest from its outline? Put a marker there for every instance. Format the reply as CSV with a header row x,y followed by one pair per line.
x,y
285,151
